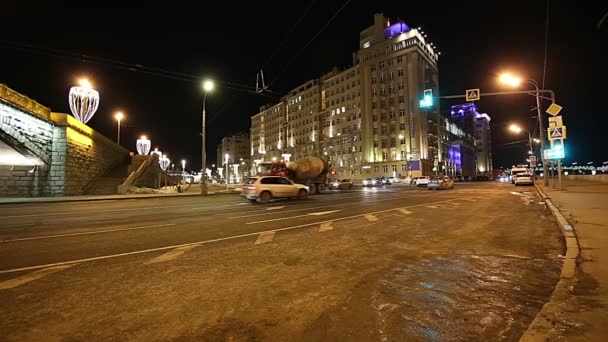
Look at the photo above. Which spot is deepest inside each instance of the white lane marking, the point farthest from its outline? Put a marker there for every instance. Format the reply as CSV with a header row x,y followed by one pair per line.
x,y
87,233
325,227
319,213
112,256
173,254
432,207
371,218
264,237
26,278
469,199
263,211
405,211
290,217
275,208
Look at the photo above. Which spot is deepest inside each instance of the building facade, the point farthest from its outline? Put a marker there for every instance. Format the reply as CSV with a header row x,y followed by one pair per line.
x,y
468,117
368,119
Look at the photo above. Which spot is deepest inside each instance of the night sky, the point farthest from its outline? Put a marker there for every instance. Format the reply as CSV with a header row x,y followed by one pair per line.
x,y
148,61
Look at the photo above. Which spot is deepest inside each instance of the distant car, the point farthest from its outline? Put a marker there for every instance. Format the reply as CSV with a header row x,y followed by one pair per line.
x,y
413,180
517,170
384,181
265,188
341,184
458,179
440,183
371,182
524,179
394,180
422,181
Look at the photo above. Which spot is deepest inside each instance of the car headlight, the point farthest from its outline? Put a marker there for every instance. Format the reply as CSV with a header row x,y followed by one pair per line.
x,y
364,182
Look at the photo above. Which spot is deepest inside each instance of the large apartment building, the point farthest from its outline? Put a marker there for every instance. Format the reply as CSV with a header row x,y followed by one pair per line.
x,y
369,118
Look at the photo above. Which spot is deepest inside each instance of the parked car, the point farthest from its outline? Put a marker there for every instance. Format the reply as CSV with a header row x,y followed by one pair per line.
x,y
458,179
265,188
422,181
440,183
524,179
371,182
394,180
340,184
517,170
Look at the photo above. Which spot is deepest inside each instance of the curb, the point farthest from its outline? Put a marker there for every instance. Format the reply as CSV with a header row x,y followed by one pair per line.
x,y
122,197
543,323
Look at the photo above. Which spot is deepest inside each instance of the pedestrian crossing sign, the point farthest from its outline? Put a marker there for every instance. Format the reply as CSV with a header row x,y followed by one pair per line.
x,y
473,94
556,133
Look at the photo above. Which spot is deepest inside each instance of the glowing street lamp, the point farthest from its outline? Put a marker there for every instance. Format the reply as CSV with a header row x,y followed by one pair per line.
x,y
143,145
208,86
509,79
84,101
515,128
118,116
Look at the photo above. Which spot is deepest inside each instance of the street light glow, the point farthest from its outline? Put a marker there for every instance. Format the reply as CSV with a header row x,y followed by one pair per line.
x,y
509,79
85,83
536,140
515,128
119,116
208,85
400,136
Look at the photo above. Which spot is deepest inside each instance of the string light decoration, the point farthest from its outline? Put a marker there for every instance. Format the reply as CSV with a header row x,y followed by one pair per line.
x,y
84,101
143,146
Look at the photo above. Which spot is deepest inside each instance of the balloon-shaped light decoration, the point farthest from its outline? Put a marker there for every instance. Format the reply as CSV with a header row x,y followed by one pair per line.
x,y
164,162
143,145
84,101
156,151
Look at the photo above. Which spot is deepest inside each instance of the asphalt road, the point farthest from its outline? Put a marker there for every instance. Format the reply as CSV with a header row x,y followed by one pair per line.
x,y
395,264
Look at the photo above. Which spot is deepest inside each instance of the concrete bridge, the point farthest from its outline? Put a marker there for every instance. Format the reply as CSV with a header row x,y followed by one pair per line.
x,y
43,153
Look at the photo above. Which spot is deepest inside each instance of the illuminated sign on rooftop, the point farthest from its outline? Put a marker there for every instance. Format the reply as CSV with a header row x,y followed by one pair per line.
x,y
395,29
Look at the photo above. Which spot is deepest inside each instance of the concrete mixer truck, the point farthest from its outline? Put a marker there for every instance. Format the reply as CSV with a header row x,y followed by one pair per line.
x,y
309,171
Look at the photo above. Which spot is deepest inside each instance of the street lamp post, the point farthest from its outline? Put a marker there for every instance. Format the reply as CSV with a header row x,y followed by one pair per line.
x,y
118,116
517,129
516,81
208,86
227,156
184,170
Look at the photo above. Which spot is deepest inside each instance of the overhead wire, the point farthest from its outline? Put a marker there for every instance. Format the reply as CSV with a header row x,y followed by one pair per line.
x,y
85,58
288,64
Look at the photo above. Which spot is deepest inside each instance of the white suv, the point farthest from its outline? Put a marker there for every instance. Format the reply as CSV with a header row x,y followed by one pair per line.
x,y
423,181
268,187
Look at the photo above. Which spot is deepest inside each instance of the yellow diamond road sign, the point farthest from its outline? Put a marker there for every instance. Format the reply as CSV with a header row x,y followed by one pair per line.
x,y
554,109
473,94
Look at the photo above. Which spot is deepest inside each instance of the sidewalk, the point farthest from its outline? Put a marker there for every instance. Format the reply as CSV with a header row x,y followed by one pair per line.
x,y
193,190
585,311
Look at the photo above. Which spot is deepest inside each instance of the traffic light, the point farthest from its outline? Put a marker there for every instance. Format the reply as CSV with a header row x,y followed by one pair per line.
x,y
427,99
